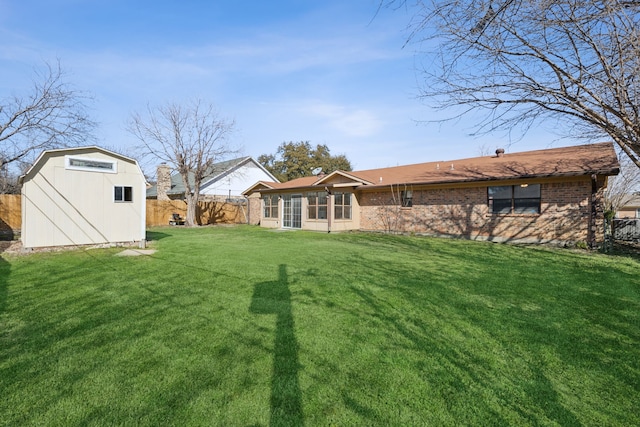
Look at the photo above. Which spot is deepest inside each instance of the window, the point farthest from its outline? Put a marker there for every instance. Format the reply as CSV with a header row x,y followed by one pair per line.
x,y
519,199
91,165
407,198
342,208
122,194
270,206
317,205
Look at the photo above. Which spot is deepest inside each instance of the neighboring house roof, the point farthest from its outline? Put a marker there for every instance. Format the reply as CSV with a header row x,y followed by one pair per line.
x,y
214,173
581,160
76,151
633,202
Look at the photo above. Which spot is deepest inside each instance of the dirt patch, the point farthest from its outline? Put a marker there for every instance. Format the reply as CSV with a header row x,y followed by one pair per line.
x,y
136,252
12,247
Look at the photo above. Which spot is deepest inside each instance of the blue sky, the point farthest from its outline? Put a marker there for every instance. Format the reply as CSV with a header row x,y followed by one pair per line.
x,y
331,72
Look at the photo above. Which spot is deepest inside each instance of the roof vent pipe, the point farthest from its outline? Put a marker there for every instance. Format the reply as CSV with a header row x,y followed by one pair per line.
x,y
500,152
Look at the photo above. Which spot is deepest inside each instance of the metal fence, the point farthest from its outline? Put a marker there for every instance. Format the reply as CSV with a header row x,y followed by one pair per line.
x,y
626,229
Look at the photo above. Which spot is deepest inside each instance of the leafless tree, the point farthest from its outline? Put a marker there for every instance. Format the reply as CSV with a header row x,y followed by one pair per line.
x,y
567,62
52,115
190,137
621,188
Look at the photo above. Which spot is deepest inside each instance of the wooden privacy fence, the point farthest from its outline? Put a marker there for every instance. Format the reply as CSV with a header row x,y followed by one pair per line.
x,y
159,212
10,213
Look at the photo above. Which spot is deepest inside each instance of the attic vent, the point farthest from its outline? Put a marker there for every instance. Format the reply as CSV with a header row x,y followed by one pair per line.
x,y
380,179
500,152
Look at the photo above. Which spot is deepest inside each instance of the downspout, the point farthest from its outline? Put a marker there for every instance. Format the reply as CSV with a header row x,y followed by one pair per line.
x,y
329,210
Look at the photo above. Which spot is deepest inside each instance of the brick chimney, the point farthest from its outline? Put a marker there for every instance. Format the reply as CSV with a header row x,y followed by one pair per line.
x,y
164,181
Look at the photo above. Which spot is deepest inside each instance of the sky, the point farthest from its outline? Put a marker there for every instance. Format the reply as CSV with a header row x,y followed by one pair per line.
x,y
333,72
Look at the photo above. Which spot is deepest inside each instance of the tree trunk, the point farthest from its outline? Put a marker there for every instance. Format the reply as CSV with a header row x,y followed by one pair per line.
x,y
192,205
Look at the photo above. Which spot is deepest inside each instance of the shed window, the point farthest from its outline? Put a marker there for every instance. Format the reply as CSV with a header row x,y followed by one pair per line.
x,y
91,165
122,194
519,199
270,206
317,205
342,208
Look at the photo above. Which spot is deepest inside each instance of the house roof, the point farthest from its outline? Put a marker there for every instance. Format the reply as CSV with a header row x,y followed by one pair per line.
x,y
581,160
215,171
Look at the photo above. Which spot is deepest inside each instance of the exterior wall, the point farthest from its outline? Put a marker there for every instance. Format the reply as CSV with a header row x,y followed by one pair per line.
x,y
464,212
235,182
254,209
628,212
325,225
75,207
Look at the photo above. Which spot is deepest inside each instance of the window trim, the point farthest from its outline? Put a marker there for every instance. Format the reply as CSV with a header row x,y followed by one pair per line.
x,y
272,206
341,206
316,206
514,207
124,194
68,164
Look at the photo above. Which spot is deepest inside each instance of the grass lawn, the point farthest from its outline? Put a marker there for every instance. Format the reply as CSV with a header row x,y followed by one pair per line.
x,y
248,327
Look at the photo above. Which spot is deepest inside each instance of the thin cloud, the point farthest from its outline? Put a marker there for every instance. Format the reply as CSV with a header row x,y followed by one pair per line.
x,y
352,122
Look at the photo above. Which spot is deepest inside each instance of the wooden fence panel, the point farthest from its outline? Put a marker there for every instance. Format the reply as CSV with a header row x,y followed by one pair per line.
x,y
159,212
10,212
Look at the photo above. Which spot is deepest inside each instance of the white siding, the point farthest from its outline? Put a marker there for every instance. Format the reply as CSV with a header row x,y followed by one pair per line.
x,y
236,182
76,207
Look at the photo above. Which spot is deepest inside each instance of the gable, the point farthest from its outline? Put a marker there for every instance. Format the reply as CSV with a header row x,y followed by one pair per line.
x,y
83,159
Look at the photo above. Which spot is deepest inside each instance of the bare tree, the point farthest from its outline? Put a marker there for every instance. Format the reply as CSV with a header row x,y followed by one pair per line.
x,y
52,115
521,62
189,137
622,187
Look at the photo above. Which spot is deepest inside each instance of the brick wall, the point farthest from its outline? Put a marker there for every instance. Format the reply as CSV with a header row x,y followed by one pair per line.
x,y
463,212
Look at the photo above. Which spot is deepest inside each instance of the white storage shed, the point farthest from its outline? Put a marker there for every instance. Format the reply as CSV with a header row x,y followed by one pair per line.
x,y
83,196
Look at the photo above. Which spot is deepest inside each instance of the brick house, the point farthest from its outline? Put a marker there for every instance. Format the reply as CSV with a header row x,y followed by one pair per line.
x,y
542,196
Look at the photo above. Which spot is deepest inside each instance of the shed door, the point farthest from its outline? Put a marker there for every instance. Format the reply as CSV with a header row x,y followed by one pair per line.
x,y
292,211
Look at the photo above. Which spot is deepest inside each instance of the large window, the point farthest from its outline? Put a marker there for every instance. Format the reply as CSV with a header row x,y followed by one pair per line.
x,y
122,194
342,206
519,199
317,205
270,206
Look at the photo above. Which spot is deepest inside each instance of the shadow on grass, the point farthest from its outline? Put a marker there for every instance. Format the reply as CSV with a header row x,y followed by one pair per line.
x,y
156,235
275,298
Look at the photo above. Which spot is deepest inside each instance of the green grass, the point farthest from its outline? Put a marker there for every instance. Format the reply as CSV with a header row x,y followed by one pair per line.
x,y
249,327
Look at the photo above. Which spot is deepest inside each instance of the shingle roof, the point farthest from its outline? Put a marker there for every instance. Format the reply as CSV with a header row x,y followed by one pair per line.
x,y
581,160
177,186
